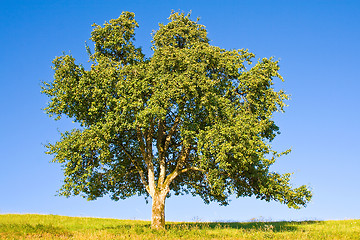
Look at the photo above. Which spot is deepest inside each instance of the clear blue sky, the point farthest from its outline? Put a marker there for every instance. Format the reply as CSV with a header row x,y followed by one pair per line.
x,y
317,43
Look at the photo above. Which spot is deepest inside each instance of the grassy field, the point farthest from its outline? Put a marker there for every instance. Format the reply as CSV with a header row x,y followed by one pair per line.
x,y
31,226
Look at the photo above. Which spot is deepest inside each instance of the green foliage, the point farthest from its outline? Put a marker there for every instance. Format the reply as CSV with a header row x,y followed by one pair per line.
x,y
191,118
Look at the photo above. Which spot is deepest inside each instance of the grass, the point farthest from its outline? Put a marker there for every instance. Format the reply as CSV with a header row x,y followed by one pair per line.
x,y
32,226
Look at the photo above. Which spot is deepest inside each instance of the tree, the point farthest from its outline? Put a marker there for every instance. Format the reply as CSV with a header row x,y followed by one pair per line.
x,y
189,119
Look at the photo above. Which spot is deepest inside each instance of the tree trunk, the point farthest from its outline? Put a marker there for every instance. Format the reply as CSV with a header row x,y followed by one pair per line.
x,y
158,211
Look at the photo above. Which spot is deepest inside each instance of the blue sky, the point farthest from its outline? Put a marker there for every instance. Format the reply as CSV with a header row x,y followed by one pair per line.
x,y
317,43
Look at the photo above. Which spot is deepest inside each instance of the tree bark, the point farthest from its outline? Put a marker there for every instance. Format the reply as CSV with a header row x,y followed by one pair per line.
x,y
158,210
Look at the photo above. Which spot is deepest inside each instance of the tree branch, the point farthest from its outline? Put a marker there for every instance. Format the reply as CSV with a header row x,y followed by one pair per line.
x,y
163,146
181,160
149,140
144,148
142,144
138,168
191,168
171,133
161,152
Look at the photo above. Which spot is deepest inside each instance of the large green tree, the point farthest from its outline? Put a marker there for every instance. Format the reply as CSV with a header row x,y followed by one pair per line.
x,y
189,119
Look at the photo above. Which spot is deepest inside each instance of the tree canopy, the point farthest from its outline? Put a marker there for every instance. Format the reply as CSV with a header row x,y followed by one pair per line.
x,y
192,118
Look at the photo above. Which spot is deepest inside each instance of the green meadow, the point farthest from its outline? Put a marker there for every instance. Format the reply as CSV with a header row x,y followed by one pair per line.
x,y
32,226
